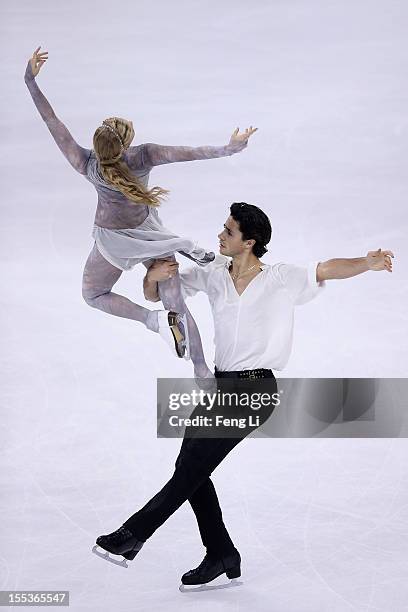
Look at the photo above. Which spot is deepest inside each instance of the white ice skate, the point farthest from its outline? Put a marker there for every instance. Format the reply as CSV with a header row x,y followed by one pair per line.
x,y
171,332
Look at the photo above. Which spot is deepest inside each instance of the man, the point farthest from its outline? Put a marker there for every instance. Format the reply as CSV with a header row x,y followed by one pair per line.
x,y
253,307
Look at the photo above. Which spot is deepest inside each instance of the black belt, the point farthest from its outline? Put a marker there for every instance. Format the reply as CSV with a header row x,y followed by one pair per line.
x,y
245,374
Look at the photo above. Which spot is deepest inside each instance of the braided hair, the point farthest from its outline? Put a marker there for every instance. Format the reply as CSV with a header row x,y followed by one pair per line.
x,y
110,140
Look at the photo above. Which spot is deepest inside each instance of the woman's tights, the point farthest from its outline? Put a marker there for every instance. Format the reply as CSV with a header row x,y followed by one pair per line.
x,y
98,279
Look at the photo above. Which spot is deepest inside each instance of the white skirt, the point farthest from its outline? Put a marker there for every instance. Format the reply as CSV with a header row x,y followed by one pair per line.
x,y
124,248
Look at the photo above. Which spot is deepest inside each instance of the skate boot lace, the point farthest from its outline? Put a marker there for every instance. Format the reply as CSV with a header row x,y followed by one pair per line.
x,y
119,535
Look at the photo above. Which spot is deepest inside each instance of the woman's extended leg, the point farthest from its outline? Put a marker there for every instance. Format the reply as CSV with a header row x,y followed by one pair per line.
x,y
98,279
172,299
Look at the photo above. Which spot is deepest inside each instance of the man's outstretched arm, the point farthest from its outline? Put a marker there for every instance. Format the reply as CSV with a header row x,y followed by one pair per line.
x,y
346,268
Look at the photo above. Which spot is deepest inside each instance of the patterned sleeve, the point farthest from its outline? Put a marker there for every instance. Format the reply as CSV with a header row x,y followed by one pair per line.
x,y
74,153
155,154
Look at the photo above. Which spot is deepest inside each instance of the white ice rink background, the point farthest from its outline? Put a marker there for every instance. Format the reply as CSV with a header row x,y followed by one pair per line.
x,y
321,524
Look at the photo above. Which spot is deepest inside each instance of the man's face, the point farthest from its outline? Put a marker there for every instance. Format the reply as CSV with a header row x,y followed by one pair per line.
x,y
231,242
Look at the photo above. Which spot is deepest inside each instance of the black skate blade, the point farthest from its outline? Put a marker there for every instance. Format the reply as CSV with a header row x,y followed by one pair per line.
x,y
184,588
105,555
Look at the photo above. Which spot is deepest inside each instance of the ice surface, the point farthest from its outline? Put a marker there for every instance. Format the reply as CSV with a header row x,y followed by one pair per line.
x,y
320,524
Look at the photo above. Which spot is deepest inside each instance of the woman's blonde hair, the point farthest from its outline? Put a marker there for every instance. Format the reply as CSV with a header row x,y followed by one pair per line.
x,y
109,141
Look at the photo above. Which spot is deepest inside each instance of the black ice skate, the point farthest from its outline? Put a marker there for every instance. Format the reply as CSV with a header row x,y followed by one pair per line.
x,y
120,542
211,568
202,259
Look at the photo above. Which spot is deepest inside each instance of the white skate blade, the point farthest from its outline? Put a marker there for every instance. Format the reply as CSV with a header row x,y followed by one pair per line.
x,y
105,555
210,256
185,588
202,259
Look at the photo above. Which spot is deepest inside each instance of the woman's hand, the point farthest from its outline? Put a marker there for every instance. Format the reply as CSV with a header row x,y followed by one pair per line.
x,y
241,140
162,269
37,60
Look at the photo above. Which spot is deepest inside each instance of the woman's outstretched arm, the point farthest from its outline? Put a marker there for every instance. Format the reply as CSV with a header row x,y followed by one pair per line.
x,y
74,153
155,155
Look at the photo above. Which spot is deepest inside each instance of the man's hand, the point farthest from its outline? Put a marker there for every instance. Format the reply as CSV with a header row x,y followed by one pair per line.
x,y
379,260
240,141
162,269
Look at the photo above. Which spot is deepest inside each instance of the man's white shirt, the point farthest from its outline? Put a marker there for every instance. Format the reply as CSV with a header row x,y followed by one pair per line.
x,y
254,329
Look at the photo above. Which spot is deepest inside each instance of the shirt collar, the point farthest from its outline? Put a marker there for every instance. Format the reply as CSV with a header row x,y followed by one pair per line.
x,y
228,263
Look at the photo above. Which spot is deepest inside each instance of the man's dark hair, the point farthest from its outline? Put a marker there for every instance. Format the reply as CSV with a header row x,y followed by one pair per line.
x,y
253,224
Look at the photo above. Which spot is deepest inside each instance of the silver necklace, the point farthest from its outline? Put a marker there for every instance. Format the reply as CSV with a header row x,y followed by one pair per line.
x,y
235,276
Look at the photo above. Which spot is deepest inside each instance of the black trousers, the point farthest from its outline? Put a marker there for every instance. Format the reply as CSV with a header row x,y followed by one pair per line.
x,y
191,481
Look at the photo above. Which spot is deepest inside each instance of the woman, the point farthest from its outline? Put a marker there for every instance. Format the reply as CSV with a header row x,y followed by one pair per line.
x,y
127,229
